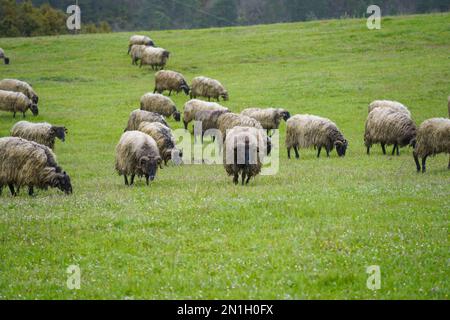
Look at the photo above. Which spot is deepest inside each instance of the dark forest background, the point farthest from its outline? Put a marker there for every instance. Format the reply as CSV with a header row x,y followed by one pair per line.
x,y
126,15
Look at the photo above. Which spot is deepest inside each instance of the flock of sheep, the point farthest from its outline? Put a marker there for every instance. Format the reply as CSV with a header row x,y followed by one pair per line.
x,y
27,158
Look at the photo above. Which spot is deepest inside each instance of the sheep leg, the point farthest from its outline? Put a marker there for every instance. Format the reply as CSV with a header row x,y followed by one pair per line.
x,y
30,191
398,150
126,180
383,147
170,93
185,125
328,151
395,148
449,163
289,153
1,189
132,179
424,164
11,189
236,178
368,150
416,159
243,177
23,115
297,154
248,179
318,152
14,115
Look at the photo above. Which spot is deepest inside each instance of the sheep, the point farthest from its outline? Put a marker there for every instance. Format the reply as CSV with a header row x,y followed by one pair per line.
x,y
171,81
394,105
16,102
155,58
140,40
19,86
209,119
389,127
3,56
208,88
164,139
244,148
137,154
433,137
42,133
136,53
305,131
26,163
192,107
160,104
139,116
270,119
228,121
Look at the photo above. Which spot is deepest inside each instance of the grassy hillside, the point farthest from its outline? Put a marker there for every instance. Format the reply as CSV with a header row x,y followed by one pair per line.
x,y
309,232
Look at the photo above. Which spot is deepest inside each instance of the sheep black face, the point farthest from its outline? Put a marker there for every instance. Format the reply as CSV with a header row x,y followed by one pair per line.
x,y
59,132
286,115
150,167
62,182
177,116
186,89
150,44
225,96
35,99
34,109
341,147
6,61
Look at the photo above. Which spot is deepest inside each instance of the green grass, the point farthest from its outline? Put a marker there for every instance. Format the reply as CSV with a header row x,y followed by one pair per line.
x,y
309,232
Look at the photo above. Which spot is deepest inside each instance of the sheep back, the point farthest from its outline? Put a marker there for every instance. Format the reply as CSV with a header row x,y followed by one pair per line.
x,y
394,105
37,132
193,106
139,116
209,88
228,121
270,118
155,57
158,103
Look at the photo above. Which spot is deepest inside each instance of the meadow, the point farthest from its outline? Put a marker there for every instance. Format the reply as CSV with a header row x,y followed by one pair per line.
x,y
308,232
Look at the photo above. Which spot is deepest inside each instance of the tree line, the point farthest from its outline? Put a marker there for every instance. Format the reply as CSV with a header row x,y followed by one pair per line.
x,y
120,15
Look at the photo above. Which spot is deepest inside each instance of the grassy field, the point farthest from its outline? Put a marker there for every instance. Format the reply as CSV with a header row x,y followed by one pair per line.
x,y
308,232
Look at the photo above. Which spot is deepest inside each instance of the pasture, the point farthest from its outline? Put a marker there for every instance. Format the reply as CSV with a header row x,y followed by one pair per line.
x,y
308,232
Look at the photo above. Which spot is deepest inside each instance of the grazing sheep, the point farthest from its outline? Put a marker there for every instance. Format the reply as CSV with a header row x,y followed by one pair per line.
x,y
389,127
244,148
209,119
19,86
137,154
164,139
136,53
270,119
42,133
16,102
160,104
171,81
394,105
228,121
139,116
305,131
155,58
139,40
26,163
433,137
208,88
3,56
192,107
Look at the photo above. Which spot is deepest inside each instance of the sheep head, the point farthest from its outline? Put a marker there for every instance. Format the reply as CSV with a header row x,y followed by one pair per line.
x,y
341,147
